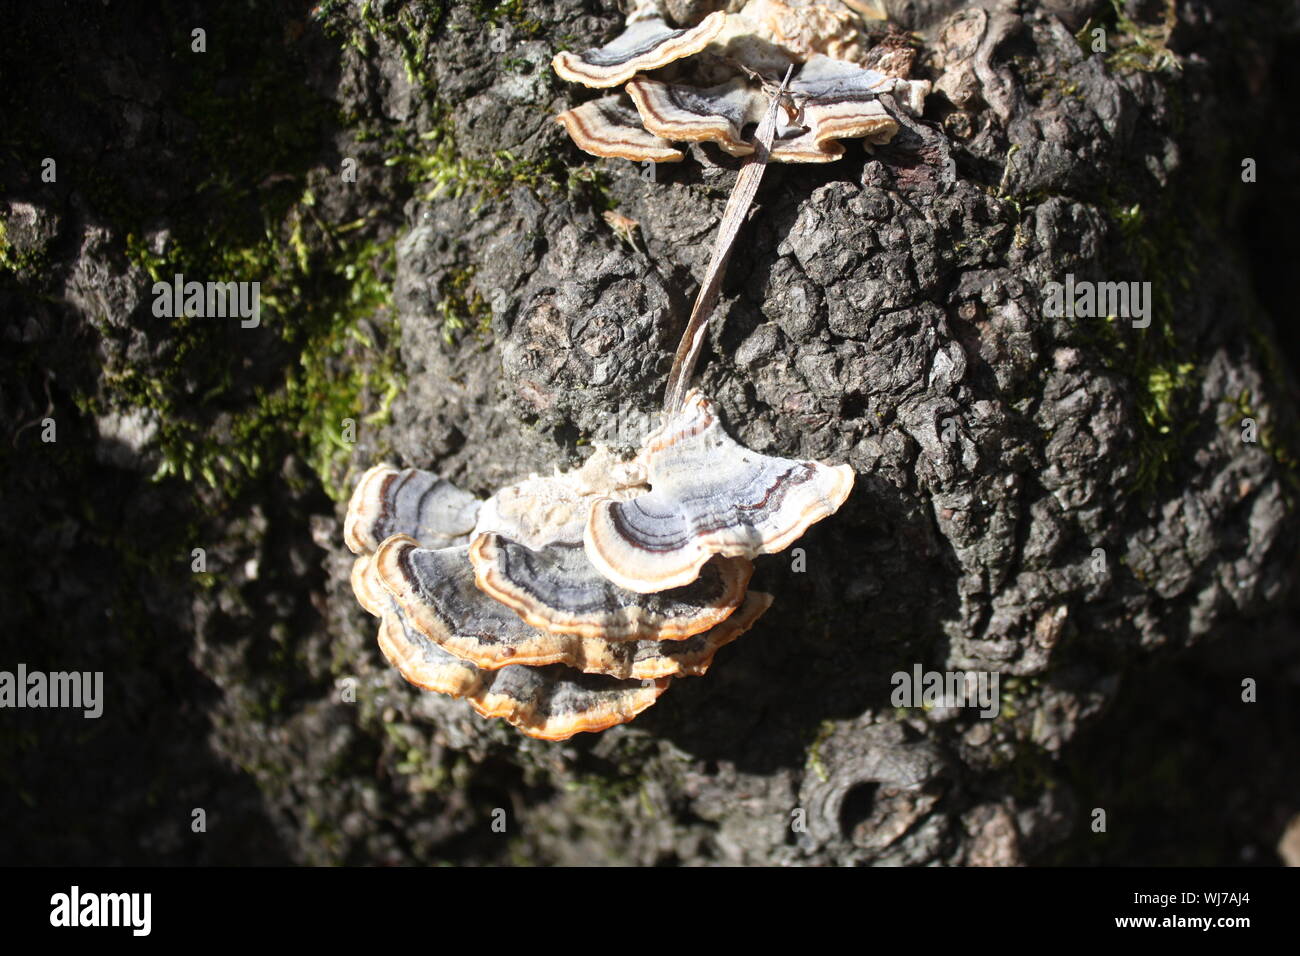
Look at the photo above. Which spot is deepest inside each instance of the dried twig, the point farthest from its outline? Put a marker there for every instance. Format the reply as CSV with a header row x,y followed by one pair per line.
x,y
742,197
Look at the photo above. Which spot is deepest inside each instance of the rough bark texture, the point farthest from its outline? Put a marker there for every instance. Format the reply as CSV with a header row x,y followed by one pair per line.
x,y
1067,502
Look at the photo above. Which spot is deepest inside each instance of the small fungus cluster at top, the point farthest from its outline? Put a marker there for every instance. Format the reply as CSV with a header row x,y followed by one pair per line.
x,y
711,80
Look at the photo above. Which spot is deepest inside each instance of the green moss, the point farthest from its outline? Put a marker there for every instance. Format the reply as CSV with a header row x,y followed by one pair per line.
x,y
604,791
1132,46
824,732
1159,243
461,306
1278,443
424,775
1279,437
1015,695
1164,373
230,403
498,13
413,27
331,312
21,264
410,27
1142,47
434,162
610,795
1032,771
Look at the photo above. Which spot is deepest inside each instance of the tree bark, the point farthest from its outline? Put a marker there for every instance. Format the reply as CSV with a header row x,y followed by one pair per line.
x,y
1067,502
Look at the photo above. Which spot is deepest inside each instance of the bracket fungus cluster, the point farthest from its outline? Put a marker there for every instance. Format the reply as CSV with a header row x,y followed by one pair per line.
x,y
711,82
568,603
544,606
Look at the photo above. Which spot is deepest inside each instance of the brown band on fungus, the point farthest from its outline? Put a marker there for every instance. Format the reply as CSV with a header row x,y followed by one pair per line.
x,y
556,589
867,122
549,703
607,127
369,591
841,101
645,45
717,114
721,113
438,597
710,495
422,662
806,149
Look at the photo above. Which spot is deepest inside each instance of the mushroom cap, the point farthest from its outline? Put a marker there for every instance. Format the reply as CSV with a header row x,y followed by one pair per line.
x,y
710,495
388,499
718,114
549,703
608,127
824,40
557,589
437,594
645,44
841,101
838,101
